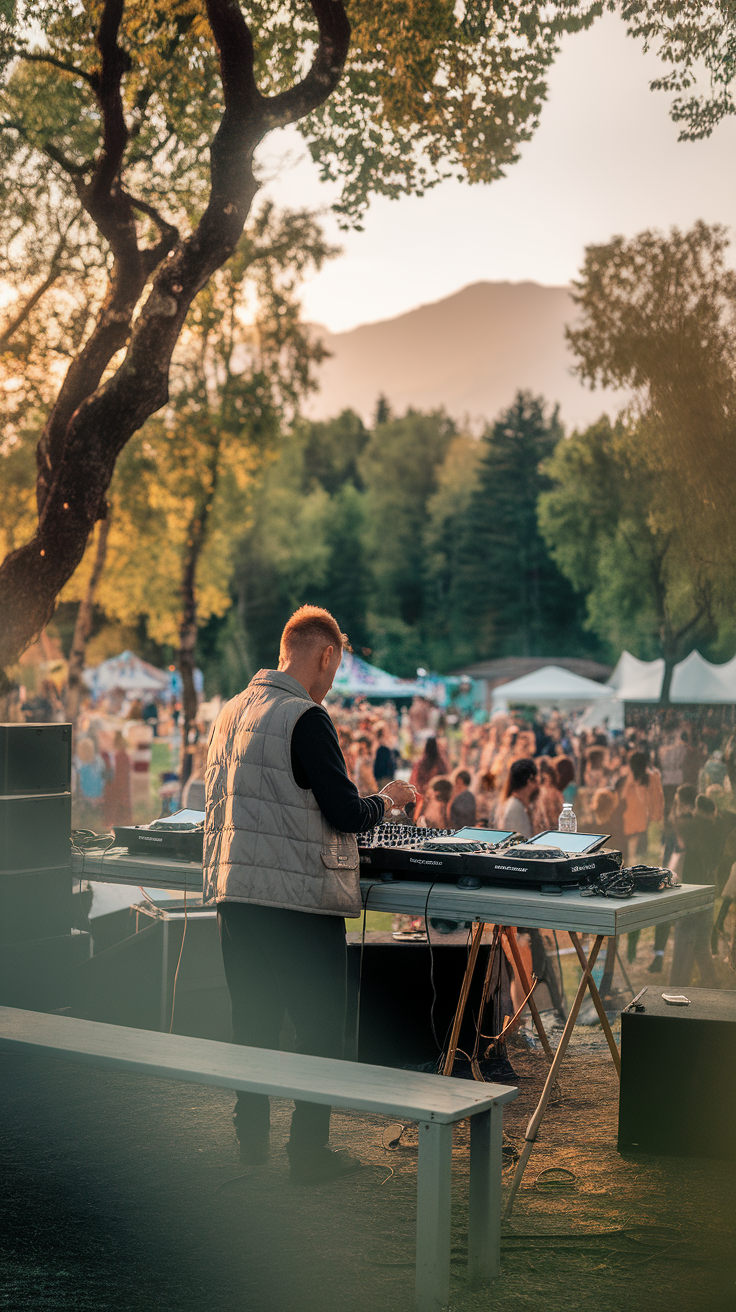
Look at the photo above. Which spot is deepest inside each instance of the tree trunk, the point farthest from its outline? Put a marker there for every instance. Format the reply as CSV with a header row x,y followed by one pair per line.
x,y
91,423
83,626
669,666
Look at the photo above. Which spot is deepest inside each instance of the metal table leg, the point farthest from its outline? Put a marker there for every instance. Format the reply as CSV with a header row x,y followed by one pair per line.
x,y
605,1023
532,1128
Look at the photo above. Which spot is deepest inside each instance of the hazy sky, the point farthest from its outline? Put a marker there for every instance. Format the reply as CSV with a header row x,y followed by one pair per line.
x,y
605,160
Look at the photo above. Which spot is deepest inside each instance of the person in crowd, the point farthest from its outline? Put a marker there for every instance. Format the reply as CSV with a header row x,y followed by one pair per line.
x,y
671,757
515,811
434,813
90,773
486,797
643,803
117,805
565,778
150,716
691,761
698,834
728,895
193,792
596,774
714,772
603,808
281,862
384,761
614,825
550,801
463,809
431,763
363,769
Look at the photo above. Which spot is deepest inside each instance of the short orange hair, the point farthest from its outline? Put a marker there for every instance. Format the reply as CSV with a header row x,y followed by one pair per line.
x,y
311,625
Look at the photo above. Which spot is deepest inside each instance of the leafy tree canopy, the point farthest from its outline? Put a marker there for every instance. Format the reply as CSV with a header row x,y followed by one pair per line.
x,y
644,587
431,90
698,40
658,318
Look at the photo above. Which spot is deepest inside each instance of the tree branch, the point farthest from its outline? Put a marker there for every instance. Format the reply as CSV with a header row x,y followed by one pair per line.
x,y
326,70
153,255
115,63
93,79
55,269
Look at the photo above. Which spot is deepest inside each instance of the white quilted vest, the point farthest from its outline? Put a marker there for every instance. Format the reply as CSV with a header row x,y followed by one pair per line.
x,y
266,840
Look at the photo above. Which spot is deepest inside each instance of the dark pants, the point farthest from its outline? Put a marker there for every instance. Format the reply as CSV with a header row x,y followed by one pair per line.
x,y
279,961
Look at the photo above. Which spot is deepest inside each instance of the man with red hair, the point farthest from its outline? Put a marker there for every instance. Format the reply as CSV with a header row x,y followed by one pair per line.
x,y
281,861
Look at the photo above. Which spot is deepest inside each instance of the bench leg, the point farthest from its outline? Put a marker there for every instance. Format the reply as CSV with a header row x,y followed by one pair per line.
x,y
434,1176
484,1212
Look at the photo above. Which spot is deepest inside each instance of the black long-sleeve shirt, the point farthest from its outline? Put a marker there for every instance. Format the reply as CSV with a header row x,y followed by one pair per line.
x,y
318,763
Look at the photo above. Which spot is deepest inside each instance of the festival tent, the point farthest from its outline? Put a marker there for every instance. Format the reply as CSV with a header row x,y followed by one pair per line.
x,y
356,678
551,686
128,673
696,680
637,681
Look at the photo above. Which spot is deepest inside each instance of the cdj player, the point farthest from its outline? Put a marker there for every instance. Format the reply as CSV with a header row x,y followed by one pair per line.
x,y
181,834
471,858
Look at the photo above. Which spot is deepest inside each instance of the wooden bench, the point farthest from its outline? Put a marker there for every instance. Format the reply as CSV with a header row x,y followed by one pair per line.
x,y
434,1101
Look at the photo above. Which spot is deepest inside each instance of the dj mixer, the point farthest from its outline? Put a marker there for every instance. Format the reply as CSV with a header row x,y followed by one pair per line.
x,y
399,852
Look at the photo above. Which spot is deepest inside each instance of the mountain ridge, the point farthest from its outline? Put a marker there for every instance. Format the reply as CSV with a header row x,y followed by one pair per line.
x,y
469,352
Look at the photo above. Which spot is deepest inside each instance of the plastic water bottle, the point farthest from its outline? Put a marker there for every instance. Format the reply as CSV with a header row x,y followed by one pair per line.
x,y
568,821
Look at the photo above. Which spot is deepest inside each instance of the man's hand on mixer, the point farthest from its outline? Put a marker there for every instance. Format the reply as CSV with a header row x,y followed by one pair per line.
x,y
398,795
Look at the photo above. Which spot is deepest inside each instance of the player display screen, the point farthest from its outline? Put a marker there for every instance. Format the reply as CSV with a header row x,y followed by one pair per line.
x,y
572,843
486,835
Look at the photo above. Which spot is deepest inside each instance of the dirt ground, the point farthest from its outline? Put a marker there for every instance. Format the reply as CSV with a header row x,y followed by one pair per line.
x,y
124,1193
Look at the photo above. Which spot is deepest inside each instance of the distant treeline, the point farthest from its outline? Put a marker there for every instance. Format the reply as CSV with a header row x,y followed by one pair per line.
x,y
436,548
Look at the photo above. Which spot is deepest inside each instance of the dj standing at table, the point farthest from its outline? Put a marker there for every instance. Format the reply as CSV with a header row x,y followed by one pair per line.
x,y
281,861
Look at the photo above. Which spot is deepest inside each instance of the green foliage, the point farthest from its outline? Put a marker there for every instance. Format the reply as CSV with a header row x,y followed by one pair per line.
x,y
399,543
399,467
644,591
699,42
502,594
658,318
430,90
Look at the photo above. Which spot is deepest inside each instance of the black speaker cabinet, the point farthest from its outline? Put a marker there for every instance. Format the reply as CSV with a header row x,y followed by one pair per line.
x,y
132,982
35,758
396,999
36,904
678,1075
35,831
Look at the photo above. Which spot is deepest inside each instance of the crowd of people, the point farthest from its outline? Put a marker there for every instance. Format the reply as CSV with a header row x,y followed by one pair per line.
x,y
663,793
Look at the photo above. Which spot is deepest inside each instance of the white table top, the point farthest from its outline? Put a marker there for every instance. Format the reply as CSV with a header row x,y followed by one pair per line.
x,y
117,866
505,906
528,907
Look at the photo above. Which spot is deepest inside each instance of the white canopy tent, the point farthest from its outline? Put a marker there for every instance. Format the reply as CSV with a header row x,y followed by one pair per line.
x,y
356,678
637,681
128,673
551,686
696,680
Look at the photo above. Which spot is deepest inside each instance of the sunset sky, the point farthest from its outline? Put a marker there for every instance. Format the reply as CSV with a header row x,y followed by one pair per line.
x,y
605,160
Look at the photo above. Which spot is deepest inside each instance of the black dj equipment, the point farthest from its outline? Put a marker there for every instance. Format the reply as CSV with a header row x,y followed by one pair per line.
x,y
678,1074
180,835
36,903
35,832
404,991
35,758
439,857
